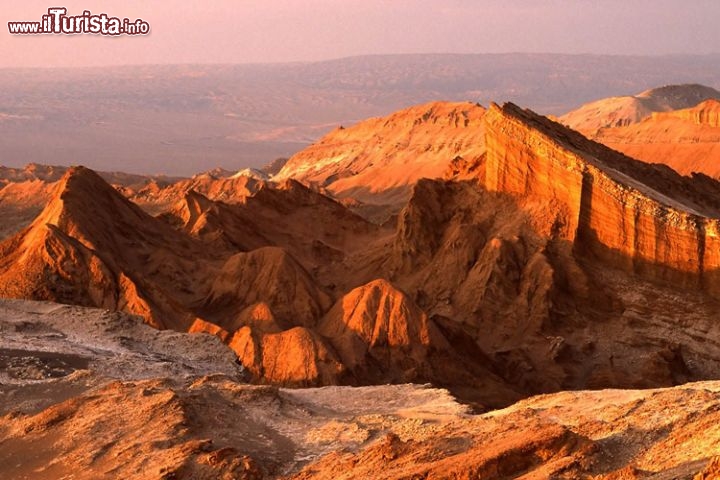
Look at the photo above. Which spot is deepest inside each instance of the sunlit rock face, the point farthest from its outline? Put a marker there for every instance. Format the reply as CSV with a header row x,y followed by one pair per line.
x,y
675,125
705,113
639,217
379,160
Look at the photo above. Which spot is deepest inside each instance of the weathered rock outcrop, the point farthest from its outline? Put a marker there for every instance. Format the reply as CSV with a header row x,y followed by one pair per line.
x,y
313,228
216,223
259,316
20,202
296,357
91,246
24,192
158,196
271,276
203,326
377,326
639,217
474,262
554,264
537,268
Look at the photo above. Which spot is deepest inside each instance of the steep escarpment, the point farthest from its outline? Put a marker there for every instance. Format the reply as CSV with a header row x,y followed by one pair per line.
x,y
704,113
546,262
641,218
524,266
531,260
460,246
476,263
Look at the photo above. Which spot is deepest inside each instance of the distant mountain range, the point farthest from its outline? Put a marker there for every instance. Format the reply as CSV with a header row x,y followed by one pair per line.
x,y
181,119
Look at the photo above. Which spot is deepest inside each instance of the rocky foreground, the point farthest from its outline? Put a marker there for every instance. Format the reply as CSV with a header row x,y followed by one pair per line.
x,y
90,394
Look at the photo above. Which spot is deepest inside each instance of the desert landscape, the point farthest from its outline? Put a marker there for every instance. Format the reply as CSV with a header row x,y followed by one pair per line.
x,y
455,290
360,240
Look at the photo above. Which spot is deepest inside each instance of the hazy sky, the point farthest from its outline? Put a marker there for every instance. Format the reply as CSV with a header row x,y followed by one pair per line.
x,y
240,31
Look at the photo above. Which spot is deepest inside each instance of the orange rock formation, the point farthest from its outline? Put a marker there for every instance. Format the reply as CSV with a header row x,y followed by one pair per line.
x,y
675,125
514,275
378,160
640,218
628,110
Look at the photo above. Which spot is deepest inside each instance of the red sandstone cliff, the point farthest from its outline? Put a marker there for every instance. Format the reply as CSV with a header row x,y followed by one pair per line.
x,y
638,217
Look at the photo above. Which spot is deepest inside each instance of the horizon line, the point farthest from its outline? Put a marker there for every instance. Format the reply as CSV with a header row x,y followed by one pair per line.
x,y
363,55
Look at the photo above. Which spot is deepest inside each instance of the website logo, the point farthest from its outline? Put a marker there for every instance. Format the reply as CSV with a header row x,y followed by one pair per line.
x,y
58,22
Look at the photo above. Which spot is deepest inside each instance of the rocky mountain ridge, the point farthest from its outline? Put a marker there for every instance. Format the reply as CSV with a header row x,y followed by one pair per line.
x,y
563,238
